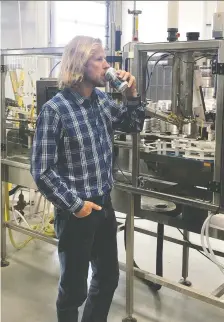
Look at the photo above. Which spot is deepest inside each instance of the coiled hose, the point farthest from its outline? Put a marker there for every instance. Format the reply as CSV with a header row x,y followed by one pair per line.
x,y
44,227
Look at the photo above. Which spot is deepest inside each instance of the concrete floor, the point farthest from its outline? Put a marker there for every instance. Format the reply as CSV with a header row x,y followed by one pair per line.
x,y
29,284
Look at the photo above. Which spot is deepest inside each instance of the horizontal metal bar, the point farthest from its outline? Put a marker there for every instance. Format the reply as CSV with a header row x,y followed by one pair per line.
x,y
210,299
165,196
21,120
33,51
219,291
176,241
15,164
41,236
180,45
32,233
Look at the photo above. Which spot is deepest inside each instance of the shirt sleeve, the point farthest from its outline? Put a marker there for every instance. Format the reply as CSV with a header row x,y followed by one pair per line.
x,y
44,158
128,117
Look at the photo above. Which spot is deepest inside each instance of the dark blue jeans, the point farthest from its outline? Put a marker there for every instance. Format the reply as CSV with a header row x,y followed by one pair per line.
x,y
81,241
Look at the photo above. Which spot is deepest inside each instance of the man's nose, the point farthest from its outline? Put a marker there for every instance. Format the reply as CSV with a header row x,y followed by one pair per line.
x,y
106,65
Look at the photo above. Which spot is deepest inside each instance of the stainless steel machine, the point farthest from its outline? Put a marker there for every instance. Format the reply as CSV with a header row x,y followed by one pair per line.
x,y
170,173
176,162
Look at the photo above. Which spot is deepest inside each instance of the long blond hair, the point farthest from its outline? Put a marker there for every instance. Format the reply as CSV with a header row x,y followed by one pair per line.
x,y
75,56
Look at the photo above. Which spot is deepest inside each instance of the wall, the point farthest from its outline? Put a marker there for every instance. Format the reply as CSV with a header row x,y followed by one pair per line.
x,y
193,16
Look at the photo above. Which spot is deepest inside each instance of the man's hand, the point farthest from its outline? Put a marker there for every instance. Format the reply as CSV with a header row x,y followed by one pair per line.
x,y
126,76
87,209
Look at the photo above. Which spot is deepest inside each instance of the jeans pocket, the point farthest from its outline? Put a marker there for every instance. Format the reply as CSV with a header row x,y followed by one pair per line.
x,y
61,226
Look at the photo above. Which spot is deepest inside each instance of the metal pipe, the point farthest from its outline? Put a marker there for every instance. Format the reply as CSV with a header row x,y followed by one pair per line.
x,y
3,227
185,256
29,232
130,230
20,26
219,291
107,25
168,197
176,286
135,24
176,241
219,133
186,80
175,84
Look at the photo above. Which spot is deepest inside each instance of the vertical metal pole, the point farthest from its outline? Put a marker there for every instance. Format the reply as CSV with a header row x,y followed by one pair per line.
x,y
3,155
130,233
175,85
219,132
107,27
185,260
139,70
135,24
186,88
4,262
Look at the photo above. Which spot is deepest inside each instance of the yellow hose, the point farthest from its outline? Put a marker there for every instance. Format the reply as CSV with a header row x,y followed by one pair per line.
x,y
48,228
7,218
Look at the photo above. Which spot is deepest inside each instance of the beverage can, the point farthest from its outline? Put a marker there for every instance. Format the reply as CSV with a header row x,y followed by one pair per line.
x,y
115,82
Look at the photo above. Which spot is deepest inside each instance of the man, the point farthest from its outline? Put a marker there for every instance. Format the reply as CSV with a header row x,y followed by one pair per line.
x,y
72,167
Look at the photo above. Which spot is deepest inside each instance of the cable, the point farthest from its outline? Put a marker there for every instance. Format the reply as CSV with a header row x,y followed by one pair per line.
x,y
209,251
54,68
44,226
126,178
187,240
147,71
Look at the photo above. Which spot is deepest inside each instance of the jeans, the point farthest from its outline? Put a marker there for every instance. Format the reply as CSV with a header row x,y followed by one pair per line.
x,y
81,241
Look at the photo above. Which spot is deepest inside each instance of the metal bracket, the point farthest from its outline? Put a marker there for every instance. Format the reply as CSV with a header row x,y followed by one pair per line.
x,y
3,147
134,12
217,68
214,186
3,68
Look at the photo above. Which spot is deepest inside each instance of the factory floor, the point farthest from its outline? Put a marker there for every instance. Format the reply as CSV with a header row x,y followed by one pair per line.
x,y
29,284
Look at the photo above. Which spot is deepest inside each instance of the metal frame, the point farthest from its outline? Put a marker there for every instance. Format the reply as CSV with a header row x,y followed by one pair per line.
x,y
208,46
134,192
140,51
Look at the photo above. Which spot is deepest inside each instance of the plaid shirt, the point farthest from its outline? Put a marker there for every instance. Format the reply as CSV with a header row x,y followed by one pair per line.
x,y
72,147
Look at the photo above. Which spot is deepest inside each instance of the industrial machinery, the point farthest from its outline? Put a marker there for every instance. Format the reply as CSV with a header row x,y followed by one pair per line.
x,y
170,173
177,160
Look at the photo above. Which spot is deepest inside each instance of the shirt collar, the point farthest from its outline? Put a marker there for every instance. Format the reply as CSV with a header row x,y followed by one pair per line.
x,y
81,100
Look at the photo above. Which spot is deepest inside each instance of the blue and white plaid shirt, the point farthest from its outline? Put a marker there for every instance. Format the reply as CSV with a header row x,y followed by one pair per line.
x,y
72,147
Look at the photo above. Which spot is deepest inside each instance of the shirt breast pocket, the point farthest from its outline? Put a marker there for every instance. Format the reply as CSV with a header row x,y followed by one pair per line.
x,y
73,142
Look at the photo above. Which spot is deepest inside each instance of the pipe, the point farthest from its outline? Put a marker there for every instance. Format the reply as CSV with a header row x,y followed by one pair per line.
x,y
107,25
175,85
172,20
173,14
20,26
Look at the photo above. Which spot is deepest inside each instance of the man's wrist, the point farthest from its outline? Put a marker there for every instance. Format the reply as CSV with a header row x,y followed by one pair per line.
x,y
77,206
133,94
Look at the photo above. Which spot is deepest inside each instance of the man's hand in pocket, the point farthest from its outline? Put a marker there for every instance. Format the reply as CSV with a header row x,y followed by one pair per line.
x,y
87,209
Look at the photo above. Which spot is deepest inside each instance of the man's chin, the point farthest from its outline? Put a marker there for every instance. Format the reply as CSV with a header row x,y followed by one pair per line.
x,y
100,84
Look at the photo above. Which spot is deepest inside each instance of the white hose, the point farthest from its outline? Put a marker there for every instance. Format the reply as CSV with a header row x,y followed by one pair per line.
x,y
22,217
205,233
16,212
